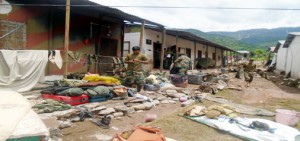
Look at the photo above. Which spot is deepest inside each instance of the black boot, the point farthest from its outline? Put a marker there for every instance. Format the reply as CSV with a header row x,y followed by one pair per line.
x,y
104,123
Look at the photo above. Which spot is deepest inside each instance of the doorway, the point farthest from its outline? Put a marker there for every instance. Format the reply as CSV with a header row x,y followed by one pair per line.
x,y
156,54
199,54
108,48
188,52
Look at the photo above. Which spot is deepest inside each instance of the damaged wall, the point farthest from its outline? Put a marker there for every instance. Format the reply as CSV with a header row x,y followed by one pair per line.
x,y
45,29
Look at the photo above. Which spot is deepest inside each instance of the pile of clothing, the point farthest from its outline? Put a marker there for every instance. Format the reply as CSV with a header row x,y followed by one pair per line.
x,y
49,106
213,111
155,81
141,133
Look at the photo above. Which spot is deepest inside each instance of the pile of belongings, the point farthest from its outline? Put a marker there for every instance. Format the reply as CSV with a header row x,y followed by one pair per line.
x,y
179,80
213,111
105,79
78,76
155,81
140,133
49,106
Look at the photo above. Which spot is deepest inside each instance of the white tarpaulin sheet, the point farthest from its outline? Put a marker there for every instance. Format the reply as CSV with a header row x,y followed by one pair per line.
x,y
21,69
31,125
281,132
13,108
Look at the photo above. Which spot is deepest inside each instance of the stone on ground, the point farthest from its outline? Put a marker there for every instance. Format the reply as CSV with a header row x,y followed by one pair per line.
x,y
107,111
139,107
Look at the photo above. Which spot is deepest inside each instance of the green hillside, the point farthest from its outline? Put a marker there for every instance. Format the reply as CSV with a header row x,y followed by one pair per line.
x,y
247,39
223,40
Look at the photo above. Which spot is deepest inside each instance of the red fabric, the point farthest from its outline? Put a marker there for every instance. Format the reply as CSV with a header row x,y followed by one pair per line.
x,y
72,100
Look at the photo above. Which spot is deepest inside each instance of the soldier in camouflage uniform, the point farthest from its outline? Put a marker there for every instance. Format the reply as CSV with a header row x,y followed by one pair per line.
x,y
183,63
248,72
134,74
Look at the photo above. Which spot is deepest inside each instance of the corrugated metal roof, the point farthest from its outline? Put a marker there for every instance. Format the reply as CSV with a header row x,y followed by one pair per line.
x,y
192,37
290,38
279,43
90,8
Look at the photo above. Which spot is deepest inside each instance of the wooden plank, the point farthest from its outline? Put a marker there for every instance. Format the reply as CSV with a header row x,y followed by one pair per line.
x,y
67,30
142,34
162,50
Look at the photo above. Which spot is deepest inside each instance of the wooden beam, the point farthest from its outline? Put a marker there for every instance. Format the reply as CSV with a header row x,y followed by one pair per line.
x,y
67,30
163,44
222,56
195,53
142,34
216,58
176,56
206,55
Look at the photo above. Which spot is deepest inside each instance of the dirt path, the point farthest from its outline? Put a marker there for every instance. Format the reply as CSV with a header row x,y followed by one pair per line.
x,y
262,93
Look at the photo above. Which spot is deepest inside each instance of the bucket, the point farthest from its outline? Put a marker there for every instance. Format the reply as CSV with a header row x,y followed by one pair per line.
x,y
287,117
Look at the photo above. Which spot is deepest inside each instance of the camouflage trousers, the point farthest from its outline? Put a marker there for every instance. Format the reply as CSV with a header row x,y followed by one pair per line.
x,y
182,71
248,76
134,78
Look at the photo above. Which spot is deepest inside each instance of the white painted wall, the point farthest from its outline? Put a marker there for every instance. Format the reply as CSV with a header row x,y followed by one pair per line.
x,y
134,39
155,36
293,58
281,58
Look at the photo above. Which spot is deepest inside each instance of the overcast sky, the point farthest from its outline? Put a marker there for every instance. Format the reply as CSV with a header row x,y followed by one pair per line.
x,y
212,19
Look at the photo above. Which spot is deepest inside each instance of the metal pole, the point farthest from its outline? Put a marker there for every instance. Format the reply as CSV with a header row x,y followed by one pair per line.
x,y
162,50
67,29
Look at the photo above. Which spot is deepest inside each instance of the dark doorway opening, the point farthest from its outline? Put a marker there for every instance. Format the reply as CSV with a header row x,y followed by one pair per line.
x,y
188,52
108,48
156,55
199,54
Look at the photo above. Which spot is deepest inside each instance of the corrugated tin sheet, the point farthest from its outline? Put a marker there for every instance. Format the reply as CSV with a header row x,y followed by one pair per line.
x,y
87,7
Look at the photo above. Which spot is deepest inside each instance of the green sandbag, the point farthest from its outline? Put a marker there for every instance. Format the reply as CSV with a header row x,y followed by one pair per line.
x,y
100,90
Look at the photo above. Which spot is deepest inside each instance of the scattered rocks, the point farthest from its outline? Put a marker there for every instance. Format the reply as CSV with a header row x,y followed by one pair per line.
x,y
107,111
176,95
155,102
176,99
65,124
118,114
98,108
139,111
148,105
150,92
75,119
161,98
139,107
165,102
130,110
171,91
188,102
172,102
221,85
121,108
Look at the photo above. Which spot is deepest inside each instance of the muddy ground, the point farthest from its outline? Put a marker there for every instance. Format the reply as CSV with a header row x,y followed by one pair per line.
x,y
262,93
